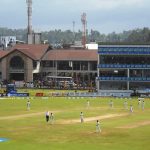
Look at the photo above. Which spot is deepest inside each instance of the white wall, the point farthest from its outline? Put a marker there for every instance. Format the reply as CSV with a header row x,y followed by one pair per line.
x,y
92,46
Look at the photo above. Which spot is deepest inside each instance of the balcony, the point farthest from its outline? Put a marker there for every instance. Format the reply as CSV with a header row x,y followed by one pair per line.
x,y
124,50
123,66
124,79
16,70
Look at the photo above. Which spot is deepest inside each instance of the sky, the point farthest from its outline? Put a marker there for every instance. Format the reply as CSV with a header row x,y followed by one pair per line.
x,y
105,16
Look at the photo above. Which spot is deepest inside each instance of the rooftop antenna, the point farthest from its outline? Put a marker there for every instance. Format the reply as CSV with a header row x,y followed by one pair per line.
x,y
84,24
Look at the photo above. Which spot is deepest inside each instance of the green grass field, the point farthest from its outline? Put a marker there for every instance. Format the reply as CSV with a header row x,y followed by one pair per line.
x,y
28,130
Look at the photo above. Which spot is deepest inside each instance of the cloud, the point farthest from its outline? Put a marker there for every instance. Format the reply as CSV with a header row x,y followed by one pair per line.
x,y
89,5
104,15
114,4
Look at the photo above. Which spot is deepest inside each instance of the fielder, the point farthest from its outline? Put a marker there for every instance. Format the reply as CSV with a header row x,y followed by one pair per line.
x,y
51,118
98,129
125,105
88,104
139,103
131,108
28,105
81,117
111,104
143,105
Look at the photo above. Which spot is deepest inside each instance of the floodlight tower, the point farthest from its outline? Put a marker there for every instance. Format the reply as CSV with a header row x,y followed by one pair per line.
x,y
84,23
29,28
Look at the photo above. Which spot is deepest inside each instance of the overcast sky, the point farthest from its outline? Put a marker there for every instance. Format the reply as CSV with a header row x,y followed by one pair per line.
x,y
103,15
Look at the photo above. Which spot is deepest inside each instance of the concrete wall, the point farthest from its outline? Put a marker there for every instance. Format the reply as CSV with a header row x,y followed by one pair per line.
x,y
28,66
4,69
28,70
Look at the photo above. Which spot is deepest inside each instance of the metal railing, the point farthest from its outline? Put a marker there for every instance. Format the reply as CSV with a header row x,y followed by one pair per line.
x,y
123,66
124,78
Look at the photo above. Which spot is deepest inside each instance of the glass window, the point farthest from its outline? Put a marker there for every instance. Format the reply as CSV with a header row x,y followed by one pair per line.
x,y
17,63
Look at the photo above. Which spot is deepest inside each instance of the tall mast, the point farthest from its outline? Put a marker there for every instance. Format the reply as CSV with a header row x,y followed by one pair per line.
x,y
29,12
84,23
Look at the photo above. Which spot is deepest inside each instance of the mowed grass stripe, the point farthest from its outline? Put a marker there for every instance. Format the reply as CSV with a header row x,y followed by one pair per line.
x,y
89,119
32,132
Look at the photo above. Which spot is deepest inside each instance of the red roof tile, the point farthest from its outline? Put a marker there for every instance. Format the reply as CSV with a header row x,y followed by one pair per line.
x,y
3,53
33,51
85,55
36,52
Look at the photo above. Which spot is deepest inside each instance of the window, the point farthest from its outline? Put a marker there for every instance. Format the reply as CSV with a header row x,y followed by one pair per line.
x,y
17,63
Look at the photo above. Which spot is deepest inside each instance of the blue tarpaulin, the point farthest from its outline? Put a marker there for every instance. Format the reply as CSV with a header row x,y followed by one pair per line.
x,y
3,139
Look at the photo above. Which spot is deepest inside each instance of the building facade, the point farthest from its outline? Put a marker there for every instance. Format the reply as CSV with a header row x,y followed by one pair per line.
x,y
7,41
123,68
34,62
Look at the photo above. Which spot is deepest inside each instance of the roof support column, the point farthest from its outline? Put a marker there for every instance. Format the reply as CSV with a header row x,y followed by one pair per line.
x,y
29,70
4,70
128,75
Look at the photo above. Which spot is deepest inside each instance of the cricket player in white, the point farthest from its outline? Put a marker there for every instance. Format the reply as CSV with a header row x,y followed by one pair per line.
x,y
98,129
143,105
51,118
111,104
28,105
139,103
81,117
88,104
131,108
125,105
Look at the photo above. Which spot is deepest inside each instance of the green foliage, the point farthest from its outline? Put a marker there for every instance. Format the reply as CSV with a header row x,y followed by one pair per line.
x,y
138,36
19,33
